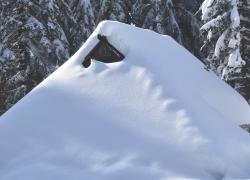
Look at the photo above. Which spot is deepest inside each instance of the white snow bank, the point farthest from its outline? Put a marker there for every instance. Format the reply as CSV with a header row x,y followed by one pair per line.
x,y
157,115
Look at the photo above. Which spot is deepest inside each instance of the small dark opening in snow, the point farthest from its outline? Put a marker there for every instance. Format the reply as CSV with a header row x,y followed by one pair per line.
x,y
246,127
103,52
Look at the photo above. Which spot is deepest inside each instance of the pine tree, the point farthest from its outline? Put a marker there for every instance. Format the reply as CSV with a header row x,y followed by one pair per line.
x,y
117,10
222,31
244,10
189,25
191,5
171,18
161,18
166,22
85,19
139,10
33,45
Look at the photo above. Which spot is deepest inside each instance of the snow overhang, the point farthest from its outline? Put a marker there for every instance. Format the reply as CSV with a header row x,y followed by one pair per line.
x,y
104,52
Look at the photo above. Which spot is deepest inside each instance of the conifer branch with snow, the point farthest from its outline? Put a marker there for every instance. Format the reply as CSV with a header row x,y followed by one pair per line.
x,y
222,41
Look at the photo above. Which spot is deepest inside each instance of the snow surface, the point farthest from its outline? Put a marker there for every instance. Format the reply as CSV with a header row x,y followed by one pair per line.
x,y
157,115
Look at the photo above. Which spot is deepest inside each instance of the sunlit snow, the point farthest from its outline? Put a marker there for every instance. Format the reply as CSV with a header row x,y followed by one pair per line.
x,y
156,115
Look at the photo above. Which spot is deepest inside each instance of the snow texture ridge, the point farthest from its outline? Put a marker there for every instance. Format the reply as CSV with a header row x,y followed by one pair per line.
x,y
156,115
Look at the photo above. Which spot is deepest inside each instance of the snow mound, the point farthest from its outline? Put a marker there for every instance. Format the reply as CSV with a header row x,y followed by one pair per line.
x,y
156,115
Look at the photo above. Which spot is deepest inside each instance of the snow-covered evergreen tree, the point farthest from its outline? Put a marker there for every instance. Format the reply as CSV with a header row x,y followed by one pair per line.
x,y
222,30
191,5
85,18
139,11
117,10
33,45
161,18
244,10
171,18
189,25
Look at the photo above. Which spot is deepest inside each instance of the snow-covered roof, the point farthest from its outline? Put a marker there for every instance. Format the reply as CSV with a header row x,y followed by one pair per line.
x,y
158,114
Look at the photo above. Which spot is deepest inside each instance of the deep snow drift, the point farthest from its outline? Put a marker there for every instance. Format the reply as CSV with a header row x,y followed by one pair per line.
x,y
157,115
